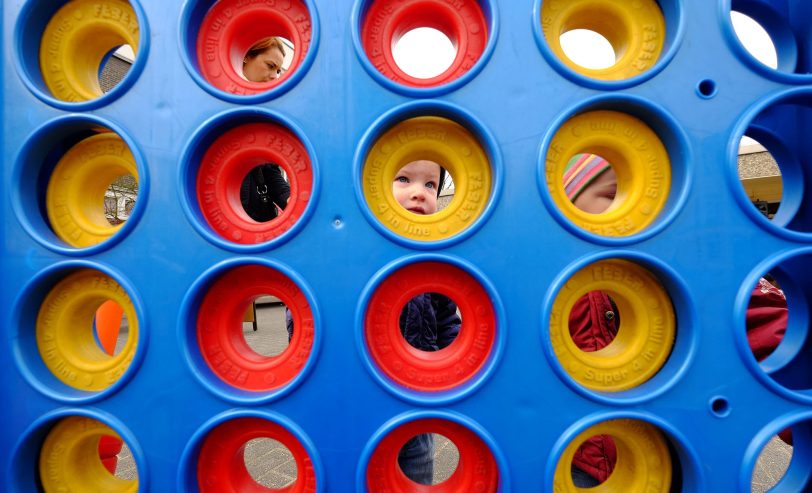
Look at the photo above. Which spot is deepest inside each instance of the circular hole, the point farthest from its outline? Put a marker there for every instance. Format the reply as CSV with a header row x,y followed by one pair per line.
x,y
594,461
264,360
423,44
250,179
77,45
585,326
264,192
609,173
247,48
428,459
427,150
720,407
430,322
80,185
119,199
114,66
618,455
424,53
79,334
755,39
418,185
270,463
760,177
772,465
588,49
590,182
432,452
80,440
97,171
610,41
707,88
416,337
267,326
251,454
266,60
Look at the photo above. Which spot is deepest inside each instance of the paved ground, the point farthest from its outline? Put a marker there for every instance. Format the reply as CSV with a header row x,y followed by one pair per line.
x,y
272,465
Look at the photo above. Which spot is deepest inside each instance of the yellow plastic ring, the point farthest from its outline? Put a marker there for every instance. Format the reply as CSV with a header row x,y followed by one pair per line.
x,y
643,459
75,197
75,42
637,156
635,29
435,139
644,339
69,459
65,335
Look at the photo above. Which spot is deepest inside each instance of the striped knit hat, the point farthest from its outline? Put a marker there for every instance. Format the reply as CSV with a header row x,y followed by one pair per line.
x,y
582,170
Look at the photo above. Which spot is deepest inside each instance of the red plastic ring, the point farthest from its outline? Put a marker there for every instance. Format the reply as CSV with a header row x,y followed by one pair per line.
x,y
462,21
221,464
231,27
476,469
219,329
438,370
228,161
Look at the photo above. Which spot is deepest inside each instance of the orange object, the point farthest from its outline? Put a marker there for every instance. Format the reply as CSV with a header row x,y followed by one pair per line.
x,y
108,325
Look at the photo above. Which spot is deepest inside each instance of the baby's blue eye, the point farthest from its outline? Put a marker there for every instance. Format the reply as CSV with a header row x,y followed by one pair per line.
x,y
430,185
402,179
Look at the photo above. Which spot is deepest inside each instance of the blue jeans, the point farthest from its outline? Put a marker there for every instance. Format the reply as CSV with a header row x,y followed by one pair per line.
x,y
582,479
416,459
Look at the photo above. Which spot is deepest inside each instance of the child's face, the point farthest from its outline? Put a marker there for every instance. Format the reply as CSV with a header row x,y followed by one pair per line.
x,y
598,195
415,187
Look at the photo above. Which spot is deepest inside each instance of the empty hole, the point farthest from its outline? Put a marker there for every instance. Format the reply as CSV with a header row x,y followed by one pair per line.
x,y
760,177
267,326
264,192
755,39
268,59
419,185
720,406
270,463
428,459
424,52
707,88
110,328
588,49
590,183
771,466
594,321
596,449
119,199
430,321
114,66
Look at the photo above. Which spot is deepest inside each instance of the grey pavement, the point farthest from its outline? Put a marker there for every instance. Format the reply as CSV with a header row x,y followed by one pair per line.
x,y
272,465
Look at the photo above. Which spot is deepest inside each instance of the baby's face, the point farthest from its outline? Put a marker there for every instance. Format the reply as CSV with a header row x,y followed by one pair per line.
x,y
598,195
415,186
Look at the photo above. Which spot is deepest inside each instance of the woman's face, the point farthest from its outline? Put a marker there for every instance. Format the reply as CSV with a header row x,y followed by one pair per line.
x,y
264,67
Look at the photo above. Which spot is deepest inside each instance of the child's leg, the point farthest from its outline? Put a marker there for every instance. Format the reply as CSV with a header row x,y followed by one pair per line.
x,y
416,459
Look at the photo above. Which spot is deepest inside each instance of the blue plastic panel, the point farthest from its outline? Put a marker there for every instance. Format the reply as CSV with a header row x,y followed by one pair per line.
x,y
708,248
